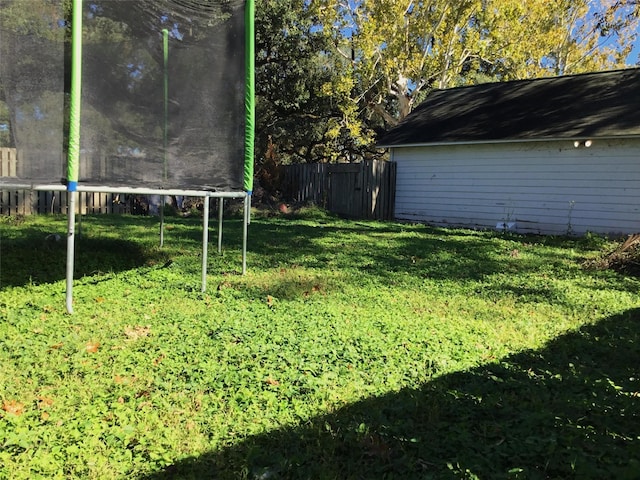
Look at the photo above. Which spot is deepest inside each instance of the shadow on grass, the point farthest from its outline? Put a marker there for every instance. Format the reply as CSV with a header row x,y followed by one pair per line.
x,y
523,267
415,249
36,253
569,410
382,251
35,258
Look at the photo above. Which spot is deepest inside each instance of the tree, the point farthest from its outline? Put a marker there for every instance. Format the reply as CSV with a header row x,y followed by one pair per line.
x,y
395,52
331,74
299,119
5,124
32,39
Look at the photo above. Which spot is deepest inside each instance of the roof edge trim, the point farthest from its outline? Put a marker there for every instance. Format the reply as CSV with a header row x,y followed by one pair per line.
x,y
522,140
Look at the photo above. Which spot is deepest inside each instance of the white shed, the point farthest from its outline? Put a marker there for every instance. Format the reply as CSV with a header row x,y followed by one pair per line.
x,y
553,156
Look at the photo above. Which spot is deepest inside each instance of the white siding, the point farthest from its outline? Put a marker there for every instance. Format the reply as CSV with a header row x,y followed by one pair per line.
x,y
545,187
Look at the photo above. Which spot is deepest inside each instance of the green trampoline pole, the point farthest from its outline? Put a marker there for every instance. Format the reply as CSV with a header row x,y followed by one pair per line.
x,y
73,159
250,120
165,134
250,95
165,129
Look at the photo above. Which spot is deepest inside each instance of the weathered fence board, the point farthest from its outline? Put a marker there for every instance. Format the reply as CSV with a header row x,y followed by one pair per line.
x,y
8,162
27,202
356,190
15,202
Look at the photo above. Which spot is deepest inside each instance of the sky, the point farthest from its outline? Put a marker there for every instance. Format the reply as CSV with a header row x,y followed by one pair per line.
x,y
632,59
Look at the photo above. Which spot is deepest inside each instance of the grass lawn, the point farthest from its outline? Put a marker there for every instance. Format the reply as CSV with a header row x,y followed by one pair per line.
x,y
351,350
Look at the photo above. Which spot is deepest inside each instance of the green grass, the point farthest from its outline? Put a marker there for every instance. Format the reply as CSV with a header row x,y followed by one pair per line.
x,y
350,350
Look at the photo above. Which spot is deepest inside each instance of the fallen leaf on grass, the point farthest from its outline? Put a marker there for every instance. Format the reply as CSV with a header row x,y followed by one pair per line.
x,y
124,380
159,360
376,446
314,289
44,402
92,347
99,299
13,407
143,394
137,332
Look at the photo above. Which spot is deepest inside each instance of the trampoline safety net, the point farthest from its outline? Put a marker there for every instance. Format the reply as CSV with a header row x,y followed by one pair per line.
x,y
163,91
32,81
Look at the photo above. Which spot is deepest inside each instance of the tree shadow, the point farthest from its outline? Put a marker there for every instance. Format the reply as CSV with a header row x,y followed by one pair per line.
x,y
443,255
568,410
420,252
416,251
36,257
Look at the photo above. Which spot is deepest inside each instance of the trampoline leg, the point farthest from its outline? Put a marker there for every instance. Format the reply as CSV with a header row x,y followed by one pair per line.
x,y
245,232
71,225
162,221
220,215
205,242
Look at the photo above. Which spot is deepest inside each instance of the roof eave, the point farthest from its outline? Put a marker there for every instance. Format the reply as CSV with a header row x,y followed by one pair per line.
x,y
519,140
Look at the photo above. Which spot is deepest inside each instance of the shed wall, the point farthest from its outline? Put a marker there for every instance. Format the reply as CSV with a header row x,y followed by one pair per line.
x,y
544,187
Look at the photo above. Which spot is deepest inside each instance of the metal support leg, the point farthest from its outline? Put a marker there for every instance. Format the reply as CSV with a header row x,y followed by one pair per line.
x,y
205,243
71,226
245,231
162,221
220,215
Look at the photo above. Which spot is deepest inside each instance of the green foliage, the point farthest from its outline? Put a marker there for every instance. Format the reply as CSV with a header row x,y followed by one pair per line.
x,y
350,350
331,75
300,120
393,53
5,123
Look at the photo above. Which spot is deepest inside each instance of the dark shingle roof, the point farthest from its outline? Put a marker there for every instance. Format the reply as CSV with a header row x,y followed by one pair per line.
x,y
591,105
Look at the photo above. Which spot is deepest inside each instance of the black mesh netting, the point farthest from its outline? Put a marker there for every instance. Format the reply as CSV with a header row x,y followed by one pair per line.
x,y
32,66
125,127
132,133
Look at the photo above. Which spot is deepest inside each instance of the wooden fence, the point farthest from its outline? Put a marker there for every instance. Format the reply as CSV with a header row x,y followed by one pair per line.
x,y
8,162
27,202
356,190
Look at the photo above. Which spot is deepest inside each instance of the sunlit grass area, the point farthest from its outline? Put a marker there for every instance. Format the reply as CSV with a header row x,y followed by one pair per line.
x,y
349,350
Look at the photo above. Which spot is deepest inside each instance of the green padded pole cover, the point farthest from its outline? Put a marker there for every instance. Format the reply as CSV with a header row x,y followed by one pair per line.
x,y
250,91
165,136
73,158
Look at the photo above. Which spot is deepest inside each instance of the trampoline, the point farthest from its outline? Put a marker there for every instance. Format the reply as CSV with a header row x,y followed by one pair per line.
x,y
149,97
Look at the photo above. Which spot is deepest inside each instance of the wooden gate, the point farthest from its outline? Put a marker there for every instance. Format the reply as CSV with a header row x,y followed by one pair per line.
x,y
355,190
344,193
